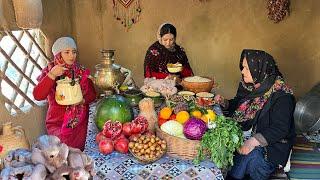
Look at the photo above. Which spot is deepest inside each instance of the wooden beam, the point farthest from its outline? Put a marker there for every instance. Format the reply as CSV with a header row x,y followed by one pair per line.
x,y
6,100
37,45
16,67
23,50
4,77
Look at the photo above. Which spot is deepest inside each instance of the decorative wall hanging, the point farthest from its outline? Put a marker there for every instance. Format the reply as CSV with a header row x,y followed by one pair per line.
x,y
127,11
278,9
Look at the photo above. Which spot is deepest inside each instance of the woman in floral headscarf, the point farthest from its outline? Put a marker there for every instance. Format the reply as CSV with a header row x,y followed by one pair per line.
x,y
264,104
165,51
69,123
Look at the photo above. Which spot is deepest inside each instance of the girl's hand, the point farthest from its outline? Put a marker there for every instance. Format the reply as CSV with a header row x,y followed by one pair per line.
x,y
56,71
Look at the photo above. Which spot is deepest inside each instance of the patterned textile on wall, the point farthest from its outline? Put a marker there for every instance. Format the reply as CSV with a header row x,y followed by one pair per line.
x,y
127,12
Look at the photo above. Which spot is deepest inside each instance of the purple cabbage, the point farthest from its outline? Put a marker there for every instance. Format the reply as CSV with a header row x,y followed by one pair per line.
x,y
194,129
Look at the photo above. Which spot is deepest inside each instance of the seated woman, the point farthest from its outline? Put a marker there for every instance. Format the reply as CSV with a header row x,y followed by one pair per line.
x,y
165,51
264,104
69,123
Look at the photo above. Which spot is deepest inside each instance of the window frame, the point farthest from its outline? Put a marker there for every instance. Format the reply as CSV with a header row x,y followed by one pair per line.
x,y
22,85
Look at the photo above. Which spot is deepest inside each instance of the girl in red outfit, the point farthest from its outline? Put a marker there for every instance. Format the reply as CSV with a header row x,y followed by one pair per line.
x,y
165,51
69,123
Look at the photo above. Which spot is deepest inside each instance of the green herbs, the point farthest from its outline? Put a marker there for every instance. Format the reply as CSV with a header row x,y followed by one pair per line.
x,y
220,143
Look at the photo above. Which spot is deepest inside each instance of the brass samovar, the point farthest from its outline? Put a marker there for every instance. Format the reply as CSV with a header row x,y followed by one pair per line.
x,y
108,76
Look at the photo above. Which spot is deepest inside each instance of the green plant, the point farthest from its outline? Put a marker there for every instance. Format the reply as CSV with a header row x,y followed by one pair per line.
x,y
221,142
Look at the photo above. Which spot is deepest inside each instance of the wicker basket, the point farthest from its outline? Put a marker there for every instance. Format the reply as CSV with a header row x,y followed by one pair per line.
x,y
197,87
146,161
178,147
11,138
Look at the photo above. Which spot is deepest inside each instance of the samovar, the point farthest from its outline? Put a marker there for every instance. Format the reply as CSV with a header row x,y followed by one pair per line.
x,y
108,76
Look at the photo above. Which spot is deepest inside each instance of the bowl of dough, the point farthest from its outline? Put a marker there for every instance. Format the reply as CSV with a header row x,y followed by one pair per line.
x,y
197,84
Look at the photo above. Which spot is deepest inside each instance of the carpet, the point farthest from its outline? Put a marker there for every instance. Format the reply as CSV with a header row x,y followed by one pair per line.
x,y
305,160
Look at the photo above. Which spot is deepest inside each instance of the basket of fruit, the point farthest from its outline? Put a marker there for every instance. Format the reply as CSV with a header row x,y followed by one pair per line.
x,y
147,148
182,127
179,147
197,84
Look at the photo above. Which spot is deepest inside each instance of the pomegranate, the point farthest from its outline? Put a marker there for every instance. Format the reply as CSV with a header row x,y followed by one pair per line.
x,y
112,129
121,145
139,125
100,137
106,146
126,129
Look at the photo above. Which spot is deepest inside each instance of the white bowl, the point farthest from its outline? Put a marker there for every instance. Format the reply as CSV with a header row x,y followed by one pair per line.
x,y
174,68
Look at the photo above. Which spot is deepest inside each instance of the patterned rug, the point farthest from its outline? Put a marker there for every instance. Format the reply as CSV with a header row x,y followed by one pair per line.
x,y
305,160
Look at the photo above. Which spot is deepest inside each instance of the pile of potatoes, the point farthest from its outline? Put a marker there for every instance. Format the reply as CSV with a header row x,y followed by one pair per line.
x,y
147,148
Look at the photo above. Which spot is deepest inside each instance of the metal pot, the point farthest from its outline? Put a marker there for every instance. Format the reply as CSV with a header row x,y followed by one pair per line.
x,y
134,96
307,111
108,76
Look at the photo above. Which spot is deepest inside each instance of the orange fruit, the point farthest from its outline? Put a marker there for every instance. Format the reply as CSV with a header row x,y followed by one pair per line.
x,y
165,113
196,114
182,117
204,118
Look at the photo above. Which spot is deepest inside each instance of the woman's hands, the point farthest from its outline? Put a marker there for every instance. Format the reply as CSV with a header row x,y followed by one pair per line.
x,y
218,99
56,71
175,78
248,146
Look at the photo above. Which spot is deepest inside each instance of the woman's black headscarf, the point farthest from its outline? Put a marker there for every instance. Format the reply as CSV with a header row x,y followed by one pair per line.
x,y
263,69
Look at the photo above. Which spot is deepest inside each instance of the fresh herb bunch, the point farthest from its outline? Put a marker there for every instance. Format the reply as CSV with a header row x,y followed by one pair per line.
x,y
220,143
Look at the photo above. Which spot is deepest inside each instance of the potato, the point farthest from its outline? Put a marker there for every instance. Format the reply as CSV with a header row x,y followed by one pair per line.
x,y
163,146
145,146
131,145
150,144
135,139
142,151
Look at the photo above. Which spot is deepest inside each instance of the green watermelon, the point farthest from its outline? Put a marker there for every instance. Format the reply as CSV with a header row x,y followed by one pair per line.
x,y
115,108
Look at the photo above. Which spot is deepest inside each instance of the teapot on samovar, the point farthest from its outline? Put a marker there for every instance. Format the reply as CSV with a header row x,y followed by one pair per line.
x,y
108,76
